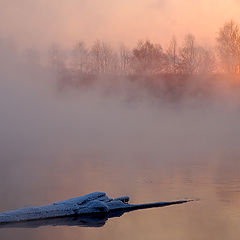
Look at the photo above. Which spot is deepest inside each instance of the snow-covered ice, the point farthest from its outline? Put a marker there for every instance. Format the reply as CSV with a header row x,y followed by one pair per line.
x,y
93,203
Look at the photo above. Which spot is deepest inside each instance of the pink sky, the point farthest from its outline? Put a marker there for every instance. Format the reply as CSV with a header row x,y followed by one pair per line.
x,y
43,22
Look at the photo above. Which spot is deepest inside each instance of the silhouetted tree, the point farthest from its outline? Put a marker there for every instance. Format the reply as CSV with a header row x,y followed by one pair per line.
x,y
103,58
228,44
204,60
172,56
80,58
148,58
124,59
188,55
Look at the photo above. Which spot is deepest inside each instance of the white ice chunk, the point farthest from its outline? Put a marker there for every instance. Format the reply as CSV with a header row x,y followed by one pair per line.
x,y
92,203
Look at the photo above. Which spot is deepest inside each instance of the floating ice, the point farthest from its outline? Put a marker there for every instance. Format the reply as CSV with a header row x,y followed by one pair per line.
x,y
88,207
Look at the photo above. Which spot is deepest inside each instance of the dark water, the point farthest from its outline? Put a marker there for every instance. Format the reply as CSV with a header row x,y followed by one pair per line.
x,y
54,147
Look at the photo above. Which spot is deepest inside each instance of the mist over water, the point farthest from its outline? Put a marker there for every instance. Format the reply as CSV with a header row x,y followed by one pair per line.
x,y
56,143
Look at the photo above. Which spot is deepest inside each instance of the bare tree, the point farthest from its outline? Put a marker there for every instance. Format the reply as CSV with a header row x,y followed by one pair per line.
x,y
228,44
124,61
148,58
57,58
188,55
205,60
172,56
80,58
103,58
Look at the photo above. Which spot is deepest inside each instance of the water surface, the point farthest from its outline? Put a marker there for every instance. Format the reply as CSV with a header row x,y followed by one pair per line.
x,y
55,146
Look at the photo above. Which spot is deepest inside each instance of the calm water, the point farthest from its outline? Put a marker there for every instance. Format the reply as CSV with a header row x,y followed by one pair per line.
x,y
56,147
215,181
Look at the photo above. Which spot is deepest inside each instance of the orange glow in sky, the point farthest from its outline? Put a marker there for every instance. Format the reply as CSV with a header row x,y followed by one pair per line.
x,y
43,22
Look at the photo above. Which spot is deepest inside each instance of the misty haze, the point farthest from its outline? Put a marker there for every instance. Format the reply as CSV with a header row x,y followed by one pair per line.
x,y
144,109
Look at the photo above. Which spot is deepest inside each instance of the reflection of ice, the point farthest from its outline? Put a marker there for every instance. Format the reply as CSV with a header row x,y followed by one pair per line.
x,y
91,210
81,221
88,220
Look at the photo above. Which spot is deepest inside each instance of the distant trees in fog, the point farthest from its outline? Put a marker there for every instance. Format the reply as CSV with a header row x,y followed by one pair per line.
x,y
80,58
148,58
57,58
228,44
124,59
103,59
195,59
172,56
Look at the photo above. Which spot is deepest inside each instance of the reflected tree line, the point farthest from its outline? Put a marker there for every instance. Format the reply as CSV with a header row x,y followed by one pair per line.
x,y
150,59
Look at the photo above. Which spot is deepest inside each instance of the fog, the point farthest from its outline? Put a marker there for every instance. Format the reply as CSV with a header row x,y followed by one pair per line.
x,y
45,128
40,23
154,137
37,114
59,141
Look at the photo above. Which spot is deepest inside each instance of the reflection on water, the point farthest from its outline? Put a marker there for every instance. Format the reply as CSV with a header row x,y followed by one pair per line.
x,y
216,215
80,221
86,220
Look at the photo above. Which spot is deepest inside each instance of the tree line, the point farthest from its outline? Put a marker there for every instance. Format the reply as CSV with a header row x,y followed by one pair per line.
x,y
148,58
